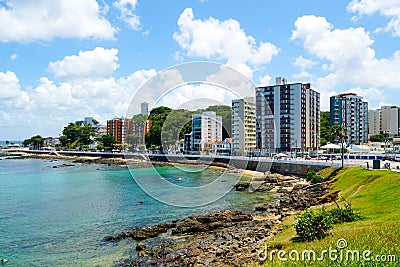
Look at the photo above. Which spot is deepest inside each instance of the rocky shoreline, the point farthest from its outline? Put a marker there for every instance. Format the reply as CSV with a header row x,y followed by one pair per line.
x,y
114,162
225,238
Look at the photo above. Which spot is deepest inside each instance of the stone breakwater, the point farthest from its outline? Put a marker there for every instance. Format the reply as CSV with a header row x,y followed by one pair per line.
x,y
225,238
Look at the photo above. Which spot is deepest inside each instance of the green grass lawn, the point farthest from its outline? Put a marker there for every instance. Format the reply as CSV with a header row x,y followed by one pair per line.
x,y
376,196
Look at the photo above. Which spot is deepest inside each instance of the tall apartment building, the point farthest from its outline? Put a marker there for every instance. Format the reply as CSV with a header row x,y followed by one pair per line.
x,y
390,120
288,116
206,128
384,120
117,128
140,128
374,122
351,111
144,108
243,125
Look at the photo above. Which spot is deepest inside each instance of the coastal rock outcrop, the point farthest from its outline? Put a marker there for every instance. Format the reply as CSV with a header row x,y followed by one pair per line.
x,y
230,238
190,225
212,221
142,233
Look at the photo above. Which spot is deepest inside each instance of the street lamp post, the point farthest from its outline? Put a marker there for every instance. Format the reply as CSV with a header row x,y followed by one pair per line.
x,y
386,139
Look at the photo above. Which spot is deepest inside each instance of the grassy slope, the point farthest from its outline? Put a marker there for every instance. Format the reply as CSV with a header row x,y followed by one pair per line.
x,y
375,195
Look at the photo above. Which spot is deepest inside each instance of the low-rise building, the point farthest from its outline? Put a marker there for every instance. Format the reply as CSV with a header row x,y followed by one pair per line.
x,y
206,128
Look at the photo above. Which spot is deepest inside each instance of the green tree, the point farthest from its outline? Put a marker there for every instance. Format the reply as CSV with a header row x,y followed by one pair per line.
x,y
377,138
78,135
86,133
339,131
36,141
63,140
108,141
157,117
7,142
325,128
72,132
140,117
176,125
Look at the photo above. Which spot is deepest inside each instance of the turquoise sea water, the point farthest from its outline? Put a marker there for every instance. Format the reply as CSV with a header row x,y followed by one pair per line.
x,y
59,216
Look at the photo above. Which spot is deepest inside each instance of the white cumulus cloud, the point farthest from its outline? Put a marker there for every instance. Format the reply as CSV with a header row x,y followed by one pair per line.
x,y
33,20
348,52
223,40
304,64
127,8
99,62
9,85
265,80
46,108
386,8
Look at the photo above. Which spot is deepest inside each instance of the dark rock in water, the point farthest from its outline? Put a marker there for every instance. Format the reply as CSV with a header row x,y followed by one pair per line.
x,y
55,166
140,247
204,223
190,225
109,238
67,165
242,186
262,208
142,233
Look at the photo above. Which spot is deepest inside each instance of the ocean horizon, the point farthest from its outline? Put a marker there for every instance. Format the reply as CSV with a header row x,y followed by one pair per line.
x,y
3,142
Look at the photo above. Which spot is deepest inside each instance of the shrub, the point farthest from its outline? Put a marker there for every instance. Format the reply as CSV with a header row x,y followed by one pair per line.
x,y
317,179
345,214
315,225
310,174
310,225
313,177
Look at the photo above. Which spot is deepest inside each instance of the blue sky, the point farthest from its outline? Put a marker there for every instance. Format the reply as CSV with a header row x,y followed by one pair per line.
x,y
63,60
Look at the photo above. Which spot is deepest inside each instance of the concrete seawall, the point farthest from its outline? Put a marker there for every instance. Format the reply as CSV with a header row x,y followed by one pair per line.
x,y
285,167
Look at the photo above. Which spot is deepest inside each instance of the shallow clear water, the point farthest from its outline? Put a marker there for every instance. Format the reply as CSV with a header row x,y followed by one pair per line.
x,y
59,216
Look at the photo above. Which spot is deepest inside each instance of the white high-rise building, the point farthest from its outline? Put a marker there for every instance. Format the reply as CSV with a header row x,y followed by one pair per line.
x,y
350,111
390,120
288,117
374,122
243,125
144,108
384,120
206,128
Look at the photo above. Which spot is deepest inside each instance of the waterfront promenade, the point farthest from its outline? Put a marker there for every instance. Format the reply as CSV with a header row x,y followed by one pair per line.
x,y
295,166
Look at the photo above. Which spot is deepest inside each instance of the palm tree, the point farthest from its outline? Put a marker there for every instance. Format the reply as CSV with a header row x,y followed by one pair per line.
x,y
339,131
